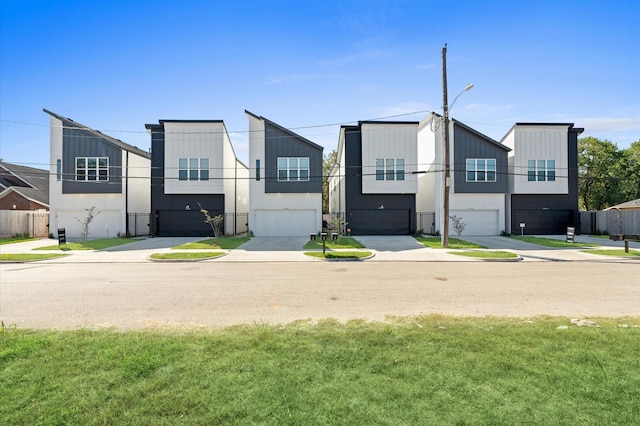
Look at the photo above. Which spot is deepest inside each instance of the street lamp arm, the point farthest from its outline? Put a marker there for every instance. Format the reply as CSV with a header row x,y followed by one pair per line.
x,y
466,89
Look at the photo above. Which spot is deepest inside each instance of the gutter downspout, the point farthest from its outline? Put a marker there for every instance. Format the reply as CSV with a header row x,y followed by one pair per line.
x,y
126,195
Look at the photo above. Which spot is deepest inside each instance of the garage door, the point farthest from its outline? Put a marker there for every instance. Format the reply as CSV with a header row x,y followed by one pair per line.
x,y
184,223
477,222
379,222
285,223
542,222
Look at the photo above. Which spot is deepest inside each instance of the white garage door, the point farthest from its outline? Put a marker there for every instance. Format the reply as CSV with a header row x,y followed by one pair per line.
x,y
478,222
285,223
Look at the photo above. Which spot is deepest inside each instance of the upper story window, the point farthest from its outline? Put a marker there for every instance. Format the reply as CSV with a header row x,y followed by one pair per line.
x,y
293,168
541,170
92,168
58,169
389,168
193,169
481,169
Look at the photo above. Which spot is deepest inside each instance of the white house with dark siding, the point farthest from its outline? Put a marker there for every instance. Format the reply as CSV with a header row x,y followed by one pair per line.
x,y
285,181
91,169
194,164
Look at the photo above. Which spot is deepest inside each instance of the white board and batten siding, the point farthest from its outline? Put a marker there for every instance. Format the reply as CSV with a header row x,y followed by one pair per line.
x,y
483,214
393,141
139,183
537,142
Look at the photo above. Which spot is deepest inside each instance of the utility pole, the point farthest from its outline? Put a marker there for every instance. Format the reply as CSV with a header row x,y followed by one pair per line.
x,y
447,181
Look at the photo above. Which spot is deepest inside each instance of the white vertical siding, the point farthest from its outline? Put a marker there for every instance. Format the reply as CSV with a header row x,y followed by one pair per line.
x,y
55,153
540,143
389,140
428,139
229,176
194,140
139,187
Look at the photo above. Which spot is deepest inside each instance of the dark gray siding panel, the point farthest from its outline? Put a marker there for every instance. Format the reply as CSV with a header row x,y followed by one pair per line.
x,y
543,214
282,144
470,145
80,143
170,217
357,202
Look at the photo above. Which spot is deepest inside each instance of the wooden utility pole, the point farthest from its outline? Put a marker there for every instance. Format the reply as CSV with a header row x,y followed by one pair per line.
x,y
447,182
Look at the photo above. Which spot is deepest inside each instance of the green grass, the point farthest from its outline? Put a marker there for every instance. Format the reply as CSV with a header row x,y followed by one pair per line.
x,y
341,243
613,252
224,243
551,242
486,254
435,243
339,254
98,244
13,240
424,370
187,255
28,257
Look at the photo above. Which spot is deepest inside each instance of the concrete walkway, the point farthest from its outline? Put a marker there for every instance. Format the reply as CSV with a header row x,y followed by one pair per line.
x,y
290,249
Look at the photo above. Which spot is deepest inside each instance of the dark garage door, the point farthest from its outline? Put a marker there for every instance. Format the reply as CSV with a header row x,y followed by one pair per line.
x,y
542,222
183,223
379,222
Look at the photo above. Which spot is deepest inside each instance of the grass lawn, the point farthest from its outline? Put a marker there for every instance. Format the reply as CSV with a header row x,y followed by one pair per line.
x,y
187,255
551,242
486,254
98,244
28,257
224,243
613,252
339,254
425,370
434,242
15,240
341,243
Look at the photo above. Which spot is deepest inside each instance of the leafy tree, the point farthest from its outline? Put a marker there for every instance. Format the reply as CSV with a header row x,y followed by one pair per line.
x,y
630,165
327,163
458,226
600,174
215,221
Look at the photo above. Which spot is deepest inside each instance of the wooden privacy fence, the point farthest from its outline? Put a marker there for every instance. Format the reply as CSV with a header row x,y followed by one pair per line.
x,y
24,222
610,222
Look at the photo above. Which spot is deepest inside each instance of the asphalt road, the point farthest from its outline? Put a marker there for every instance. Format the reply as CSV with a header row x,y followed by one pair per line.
x,y
215,294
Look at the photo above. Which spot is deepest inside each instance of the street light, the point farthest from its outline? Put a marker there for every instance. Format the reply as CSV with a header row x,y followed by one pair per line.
x,y
447,164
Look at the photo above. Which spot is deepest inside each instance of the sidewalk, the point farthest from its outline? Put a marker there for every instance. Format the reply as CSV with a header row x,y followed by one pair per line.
x,y
289,249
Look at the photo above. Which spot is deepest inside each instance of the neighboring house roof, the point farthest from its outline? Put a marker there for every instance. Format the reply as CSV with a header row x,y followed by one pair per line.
x,y
474,131
577,130
31,183
114,141
285,130
629,205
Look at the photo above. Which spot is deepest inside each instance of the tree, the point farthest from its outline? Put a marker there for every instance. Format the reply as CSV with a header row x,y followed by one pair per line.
x,y
600,173
84,224
630,164
327,163
215,221
458,226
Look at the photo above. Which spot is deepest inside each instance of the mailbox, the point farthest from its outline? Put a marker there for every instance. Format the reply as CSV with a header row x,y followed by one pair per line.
x,y
62,236
323,235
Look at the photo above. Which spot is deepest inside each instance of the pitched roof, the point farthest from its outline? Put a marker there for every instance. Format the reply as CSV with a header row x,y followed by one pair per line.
x,y
633,204
285,130
29,182
117,142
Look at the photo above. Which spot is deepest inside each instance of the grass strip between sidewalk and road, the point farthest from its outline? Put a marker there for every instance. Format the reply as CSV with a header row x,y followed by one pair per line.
x,y
339,254
187,255
613,252
481,254
341,243
29,257
13,240
417,370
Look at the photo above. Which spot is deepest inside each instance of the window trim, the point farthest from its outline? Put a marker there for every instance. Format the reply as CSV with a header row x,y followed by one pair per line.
x,y
485,170
390,169
541,170
100,170
192,169
288,171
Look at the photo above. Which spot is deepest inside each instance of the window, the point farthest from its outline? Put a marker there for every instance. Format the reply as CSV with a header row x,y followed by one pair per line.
x,y
58,170
257,169
193,169
293,168
92,168
390,169
541,170
481,170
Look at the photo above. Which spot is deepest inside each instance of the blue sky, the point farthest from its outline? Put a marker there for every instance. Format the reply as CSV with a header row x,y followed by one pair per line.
x,y
308,65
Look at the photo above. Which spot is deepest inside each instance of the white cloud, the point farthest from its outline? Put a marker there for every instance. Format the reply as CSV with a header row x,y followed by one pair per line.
x,y
609,124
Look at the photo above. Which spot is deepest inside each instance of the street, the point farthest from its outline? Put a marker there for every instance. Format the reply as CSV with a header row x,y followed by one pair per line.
x,y
216,294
